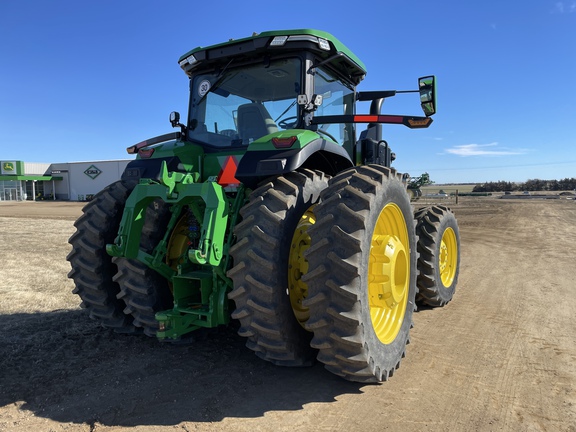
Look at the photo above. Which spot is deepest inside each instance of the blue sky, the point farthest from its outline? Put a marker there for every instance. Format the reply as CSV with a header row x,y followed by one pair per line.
x,y
83,80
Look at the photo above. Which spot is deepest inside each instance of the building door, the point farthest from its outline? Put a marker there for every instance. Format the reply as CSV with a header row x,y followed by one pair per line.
x,y
10,194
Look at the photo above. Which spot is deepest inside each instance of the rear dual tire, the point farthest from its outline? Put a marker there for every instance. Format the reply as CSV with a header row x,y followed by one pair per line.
x,y
92,268
123,294
268,264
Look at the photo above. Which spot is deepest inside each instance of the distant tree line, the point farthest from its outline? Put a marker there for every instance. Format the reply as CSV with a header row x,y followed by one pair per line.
x,y
530,185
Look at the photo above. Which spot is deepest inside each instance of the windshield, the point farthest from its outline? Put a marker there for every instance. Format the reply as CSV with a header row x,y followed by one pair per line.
x,y
240,105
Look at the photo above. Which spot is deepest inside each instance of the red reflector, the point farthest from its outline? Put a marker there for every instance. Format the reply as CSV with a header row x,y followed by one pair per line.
x,y
365,119
145,153
226,176
284,142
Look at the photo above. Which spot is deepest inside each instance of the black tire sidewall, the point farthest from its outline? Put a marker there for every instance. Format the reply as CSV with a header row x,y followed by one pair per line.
x,y
387,356
447,221
93,270
265,236
308,195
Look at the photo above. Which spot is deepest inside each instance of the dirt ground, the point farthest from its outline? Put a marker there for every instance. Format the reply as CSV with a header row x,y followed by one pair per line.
x,y
500,356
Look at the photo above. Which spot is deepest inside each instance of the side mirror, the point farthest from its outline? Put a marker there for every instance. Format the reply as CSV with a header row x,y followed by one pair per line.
x,y
427,89
175,118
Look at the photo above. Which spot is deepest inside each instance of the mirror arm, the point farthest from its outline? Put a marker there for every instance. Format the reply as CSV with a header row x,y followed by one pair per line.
x,y
376,106
371,95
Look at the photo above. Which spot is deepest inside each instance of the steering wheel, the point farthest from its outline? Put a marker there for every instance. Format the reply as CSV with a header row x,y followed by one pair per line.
x,y
288,122
229,133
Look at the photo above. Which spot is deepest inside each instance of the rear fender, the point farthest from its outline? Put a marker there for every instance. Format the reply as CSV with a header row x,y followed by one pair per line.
x,y
309,150
149,168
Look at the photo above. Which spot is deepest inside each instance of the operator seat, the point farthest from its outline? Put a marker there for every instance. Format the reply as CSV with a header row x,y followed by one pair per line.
x,y
254,122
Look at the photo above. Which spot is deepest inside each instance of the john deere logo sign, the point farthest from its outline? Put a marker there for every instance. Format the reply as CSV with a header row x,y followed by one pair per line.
x,y
9,168
92,171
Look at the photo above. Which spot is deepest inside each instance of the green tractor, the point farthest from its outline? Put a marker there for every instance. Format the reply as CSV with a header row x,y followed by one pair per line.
x,y
266,208
415,185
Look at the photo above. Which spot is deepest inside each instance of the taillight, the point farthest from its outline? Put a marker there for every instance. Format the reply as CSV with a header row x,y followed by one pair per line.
x,y
145,153
284,142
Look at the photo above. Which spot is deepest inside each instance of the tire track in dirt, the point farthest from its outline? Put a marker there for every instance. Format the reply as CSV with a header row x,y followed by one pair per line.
x,y
526,251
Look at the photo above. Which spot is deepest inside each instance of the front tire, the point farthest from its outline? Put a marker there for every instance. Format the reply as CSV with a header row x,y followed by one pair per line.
x,y
268,263
362,276
439,249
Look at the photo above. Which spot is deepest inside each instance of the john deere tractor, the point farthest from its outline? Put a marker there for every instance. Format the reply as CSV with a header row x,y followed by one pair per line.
x,y
268,207
416,183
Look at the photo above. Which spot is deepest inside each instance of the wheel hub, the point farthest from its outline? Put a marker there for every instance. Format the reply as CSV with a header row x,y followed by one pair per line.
x,y
388,276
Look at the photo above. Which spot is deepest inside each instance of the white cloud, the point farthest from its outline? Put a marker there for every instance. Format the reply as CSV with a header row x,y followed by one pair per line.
x,y
491,149
561,7
558,7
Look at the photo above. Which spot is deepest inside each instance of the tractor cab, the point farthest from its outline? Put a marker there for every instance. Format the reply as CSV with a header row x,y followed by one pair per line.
x,y
269,83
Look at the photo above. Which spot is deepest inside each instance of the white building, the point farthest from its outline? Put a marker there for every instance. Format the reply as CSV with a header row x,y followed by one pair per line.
x,y
71,181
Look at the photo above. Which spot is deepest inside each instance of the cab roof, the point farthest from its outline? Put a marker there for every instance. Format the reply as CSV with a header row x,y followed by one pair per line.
x,y
323,44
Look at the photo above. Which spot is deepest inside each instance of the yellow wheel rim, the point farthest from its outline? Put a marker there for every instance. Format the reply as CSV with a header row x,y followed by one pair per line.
x,y
448,259
389,273
298,267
